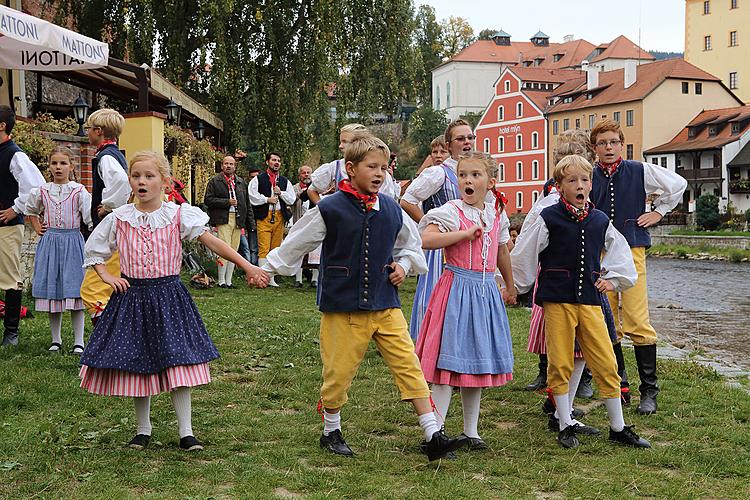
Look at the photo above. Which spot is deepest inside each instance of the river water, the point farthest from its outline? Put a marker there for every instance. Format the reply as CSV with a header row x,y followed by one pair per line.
x,y
702,305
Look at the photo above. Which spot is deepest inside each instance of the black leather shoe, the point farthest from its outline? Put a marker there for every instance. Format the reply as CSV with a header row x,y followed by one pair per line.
x,y
628,437
474,444
540,382
577,413
189,443
10,338
139,442
334,442
297,284
583,429
567,437
440,445
647,406
448,456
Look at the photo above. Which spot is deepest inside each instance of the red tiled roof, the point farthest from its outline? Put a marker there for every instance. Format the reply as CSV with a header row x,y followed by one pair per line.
x,y
489,51
701,141
611,89
572,53
545,75
622,48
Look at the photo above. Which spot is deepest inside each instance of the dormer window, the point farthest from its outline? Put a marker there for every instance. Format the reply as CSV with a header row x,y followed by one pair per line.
x,y
692,131
735,128
556,57
713,130
527,63
538,61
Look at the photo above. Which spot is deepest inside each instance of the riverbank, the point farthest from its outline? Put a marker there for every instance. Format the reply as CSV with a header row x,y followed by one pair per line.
x,y
699,252
261,431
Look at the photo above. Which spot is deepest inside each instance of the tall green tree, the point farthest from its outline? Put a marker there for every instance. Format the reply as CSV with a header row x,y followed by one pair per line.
x,y
428,47
457,35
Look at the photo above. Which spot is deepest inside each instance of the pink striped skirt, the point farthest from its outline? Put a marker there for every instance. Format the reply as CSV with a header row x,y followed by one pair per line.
x,y
56,306
107,382
537,341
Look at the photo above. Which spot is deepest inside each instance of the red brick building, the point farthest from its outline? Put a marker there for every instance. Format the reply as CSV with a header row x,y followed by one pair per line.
x,y
513,130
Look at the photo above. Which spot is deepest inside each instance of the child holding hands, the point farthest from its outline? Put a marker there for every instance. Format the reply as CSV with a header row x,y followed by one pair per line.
x,y
150,338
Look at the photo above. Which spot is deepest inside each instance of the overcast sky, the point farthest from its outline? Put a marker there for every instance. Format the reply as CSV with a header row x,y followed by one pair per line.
x,y
661,22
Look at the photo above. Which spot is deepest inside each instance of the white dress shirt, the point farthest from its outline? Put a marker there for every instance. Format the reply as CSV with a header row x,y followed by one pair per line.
x,y
27,176
116,184
324,179
257,199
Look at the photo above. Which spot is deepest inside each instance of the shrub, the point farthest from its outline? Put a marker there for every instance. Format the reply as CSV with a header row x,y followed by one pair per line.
x,y
707,212
747,215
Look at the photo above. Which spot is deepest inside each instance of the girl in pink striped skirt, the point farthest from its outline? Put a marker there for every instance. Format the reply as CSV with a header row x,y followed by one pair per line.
x,y
150,338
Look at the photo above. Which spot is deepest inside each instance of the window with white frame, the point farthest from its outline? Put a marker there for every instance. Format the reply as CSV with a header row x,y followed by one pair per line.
x,y
535,169
519,171
534,196
519,109
519,142
501,172
534,140
448,95
486,144
501,144
519,200
506,86
733,80
437,97
500,113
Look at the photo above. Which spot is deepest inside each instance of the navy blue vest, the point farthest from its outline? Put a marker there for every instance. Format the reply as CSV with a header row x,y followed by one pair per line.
x,y
622,197
8,183
570,265
98,184
264,188
357,248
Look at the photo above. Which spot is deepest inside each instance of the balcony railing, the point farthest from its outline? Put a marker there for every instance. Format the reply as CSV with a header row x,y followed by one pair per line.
x,y
695,174
739,186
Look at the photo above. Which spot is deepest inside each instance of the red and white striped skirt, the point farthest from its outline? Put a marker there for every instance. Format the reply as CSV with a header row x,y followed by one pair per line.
x,y
107,382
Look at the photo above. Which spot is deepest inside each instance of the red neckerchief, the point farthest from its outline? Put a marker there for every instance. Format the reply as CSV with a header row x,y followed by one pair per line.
x,y
230,183
578,213
272,176
368,200
104,144
303,186
609,169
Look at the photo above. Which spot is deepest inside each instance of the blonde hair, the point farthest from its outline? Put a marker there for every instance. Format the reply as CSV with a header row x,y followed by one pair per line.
x,y
572,142
449,129
569,163
156,158
72,157
110,121
438,141
361,144
352,127
489,164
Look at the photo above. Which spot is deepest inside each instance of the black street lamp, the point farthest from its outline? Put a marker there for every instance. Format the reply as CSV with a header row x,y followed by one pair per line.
x,y
81,112
200,131
173,112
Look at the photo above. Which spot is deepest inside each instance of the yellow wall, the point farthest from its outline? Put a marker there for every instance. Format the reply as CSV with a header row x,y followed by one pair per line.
x,y
721,59
633,135
142,131
667,110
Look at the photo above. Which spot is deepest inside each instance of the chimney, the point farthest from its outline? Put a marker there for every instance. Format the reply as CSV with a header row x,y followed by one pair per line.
x,y
567,38
592,74
630,73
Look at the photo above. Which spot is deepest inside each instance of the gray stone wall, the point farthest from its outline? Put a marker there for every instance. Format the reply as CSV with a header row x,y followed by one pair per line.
x,y
741,242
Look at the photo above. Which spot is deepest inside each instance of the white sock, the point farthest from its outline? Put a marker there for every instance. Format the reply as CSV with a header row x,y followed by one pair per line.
x,y
55,326
614,410
561,401
470,398
78,318
428,422
315,276
221,268
331,422
441,398
143,415
579,364
229,272
184,410
298,276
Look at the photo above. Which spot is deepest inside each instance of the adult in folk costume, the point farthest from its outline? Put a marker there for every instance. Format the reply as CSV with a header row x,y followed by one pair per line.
x,y
18,176
434,187
327,177
110,190
226,199
272,196
302,205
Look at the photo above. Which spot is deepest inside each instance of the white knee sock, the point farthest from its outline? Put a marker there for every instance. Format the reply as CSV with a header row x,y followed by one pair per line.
x,y
331,422
55,326
429,423
78,318
143,415
221,269
614,411
315,276
229,272
470,398
575,378
184,410
441,397
298,276
561,401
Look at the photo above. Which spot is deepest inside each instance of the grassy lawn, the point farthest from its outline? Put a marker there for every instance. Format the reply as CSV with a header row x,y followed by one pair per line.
x,y
261,431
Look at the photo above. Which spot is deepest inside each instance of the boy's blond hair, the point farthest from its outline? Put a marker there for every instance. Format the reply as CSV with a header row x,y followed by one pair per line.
x,y
572,142
352,127
156,158
606,125
438,141
489,164
110,121
569,163
362,143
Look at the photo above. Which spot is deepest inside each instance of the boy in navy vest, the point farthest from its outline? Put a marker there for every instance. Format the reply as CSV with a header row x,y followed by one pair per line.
x,y
18,176
620,188
567,241
110,190
369,246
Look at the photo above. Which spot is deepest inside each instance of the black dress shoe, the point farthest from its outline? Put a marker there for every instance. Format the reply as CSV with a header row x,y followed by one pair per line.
x,y
139,442
567,437
539,383
221,285
554,425
189,443
577,413
440,445
448,456
334,442
628,437
474,443
297,284
647,406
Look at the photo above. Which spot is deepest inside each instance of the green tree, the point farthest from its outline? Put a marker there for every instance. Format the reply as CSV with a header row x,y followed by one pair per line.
x,y
457,35
428,46
426,124
486,34
707,212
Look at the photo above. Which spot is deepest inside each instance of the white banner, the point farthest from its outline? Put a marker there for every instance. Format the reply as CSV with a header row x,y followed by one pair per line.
x,y
27,42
